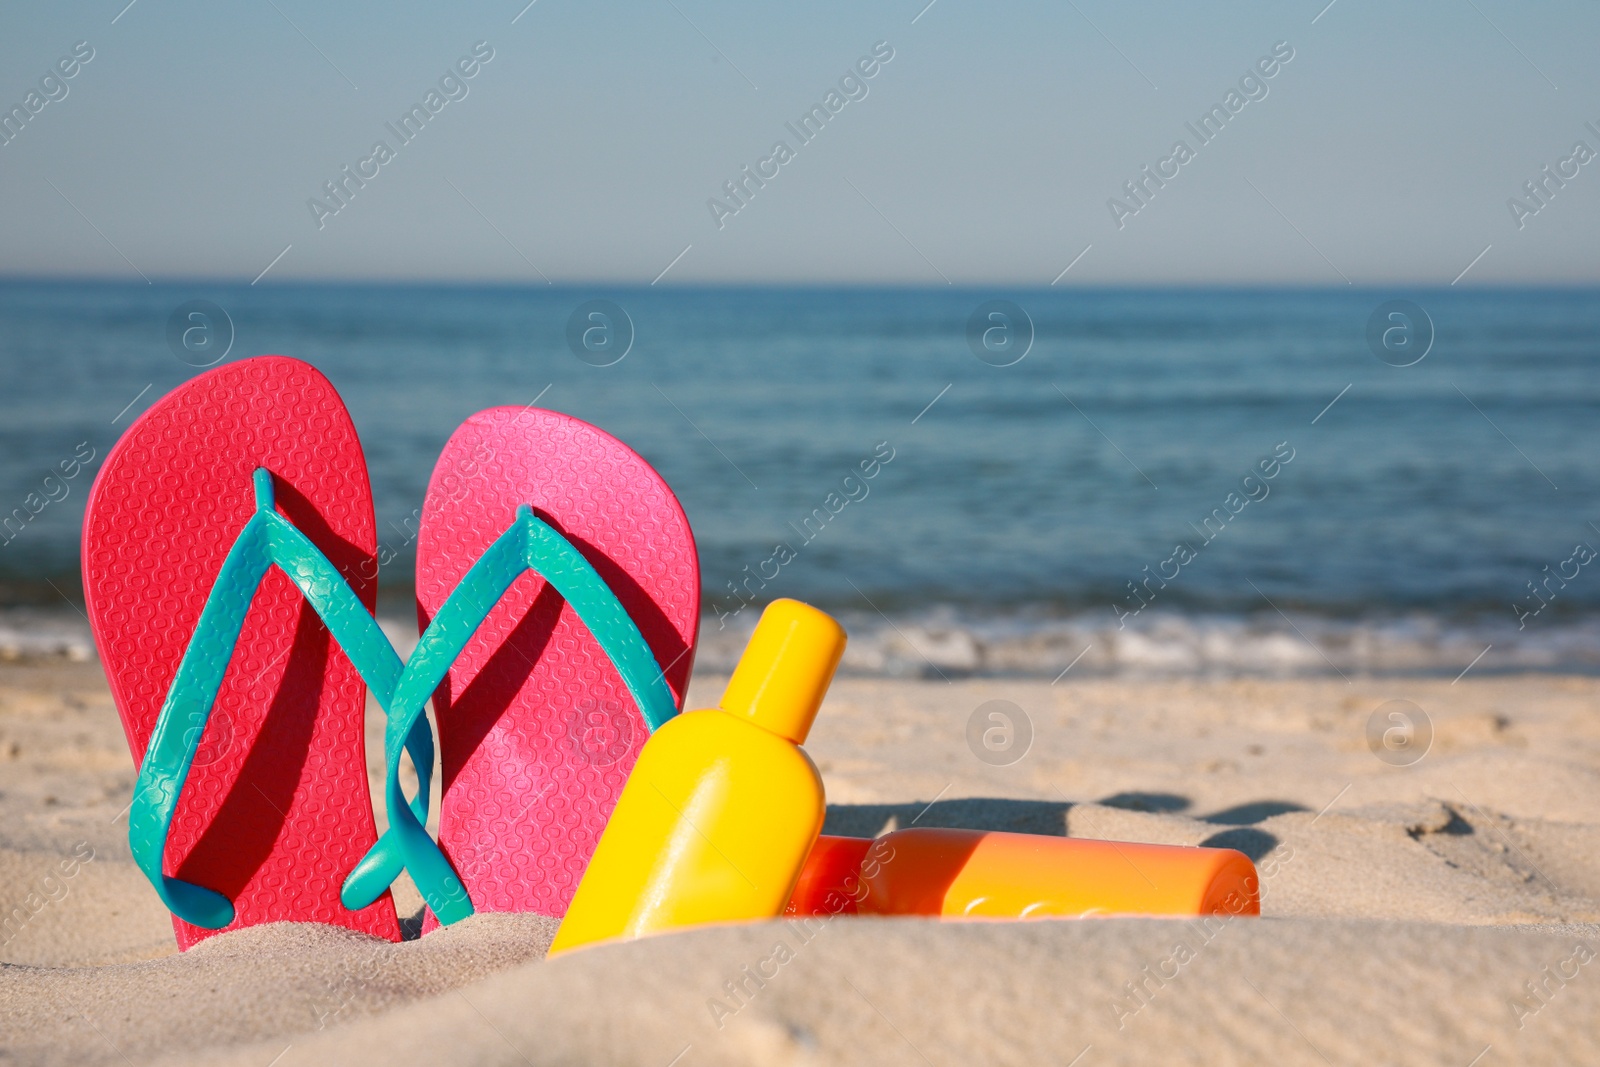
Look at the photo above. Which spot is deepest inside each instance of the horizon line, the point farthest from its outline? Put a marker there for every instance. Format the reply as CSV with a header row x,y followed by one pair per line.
x,y
358,281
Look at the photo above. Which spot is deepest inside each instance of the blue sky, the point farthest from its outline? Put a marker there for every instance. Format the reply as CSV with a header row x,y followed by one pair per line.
x,y
985,151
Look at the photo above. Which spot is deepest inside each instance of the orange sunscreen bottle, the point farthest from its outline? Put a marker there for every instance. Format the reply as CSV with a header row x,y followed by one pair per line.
x,y
830,882
720,812
988,874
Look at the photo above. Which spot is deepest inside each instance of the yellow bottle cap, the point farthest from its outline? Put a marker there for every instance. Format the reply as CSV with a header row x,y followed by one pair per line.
x,y
785,670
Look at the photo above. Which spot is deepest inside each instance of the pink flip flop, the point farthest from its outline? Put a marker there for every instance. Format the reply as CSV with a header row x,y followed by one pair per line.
x,y
537,729
269,810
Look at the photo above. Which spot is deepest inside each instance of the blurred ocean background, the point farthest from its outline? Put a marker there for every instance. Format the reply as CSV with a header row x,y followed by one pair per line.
x,y
1021,500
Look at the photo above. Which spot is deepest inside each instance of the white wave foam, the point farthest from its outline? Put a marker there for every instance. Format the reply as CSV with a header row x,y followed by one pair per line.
x,y
44,633
949,643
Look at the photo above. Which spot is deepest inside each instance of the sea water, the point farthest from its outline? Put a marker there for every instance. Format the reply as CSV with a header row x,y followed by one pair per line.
x,y
1158,481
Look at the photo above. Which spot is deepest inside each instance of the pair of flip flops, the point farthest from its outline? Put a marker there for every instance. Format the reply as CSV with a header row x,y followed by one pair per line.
x,y
230,557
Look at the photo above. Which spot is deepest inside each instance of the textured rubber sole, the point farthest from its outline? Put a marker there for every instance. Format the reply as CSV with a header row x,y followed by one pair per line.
x,y
276,810
537,732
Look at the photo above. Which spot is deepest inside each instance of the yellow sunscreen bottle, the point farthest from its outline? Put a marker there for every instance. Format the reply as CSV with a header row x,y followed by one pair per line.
x,y
716,820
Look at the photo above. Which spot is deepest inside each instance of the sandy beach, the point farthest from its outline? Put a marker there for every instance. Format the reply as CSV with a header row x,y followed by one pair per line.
x,y
1436,912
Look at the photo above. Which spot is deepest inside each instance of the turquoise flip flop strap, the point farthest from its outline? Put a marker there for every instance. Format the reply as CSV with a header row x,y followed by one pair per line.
x,y
266,540
530,544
